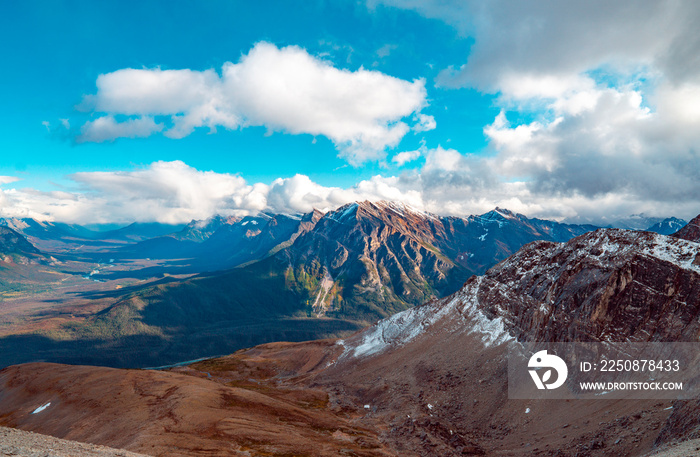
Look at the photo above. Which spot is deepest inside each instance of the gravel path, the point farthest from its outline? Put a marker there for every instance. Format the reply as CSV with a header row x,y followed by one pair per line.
x,y
19,443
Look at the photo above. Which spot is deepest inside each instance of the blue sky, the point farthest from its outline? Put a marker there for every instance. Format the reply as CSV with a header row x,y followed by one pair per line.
x,y
64,46
120,111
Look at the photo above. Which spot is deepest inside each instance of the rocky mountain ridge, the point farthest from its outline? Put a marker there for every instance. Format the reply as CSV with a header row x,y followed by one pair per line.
x,y
690,232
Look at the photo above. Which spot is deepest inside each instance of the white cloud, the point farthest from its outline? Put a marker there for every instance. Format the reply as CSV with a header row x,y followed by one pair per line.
x,y
106,128
385,50
449,183
285,90
555,39
610,94
425,123
405,157
606,93
8,179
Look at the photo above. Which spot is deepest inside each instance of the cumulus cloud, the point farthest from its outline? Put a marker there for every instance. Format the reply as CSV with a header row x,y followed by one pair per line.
x,y
611,91
424,123
449,183
556,38
173,192
8,179
285,90
405,157
106,128
610,94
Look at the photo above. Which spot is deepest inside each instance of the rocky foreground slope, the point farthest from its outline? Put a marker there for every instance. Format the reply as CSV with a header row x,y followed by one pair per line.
x,y
428,381
19,443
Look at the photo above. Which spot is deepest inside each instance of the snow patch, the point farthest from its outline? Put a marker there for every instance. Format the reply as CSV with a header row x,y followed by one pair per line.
x,y
674,250
348,212
493,331
405,326
41,408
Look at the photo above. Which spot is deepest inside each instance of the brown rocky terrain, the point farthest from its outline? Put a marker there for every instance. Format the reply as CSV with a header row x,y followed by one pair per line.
x,y
428,381
169,414
603,285
14,442
690,232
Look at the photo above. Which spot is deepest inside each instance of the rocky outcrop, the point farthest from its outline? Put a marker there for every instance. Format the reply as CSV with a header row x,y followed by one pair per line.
x,y
446,360
608,285
690,232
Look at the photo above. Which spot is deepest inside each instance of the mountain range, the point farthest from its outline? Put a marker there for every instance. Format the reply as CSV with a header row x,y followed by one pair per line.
x,y
270,277
429,380
256,279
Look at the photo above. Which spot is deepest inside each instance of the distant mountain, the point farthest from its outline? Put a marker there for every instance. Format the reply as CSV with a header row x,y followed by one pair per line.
x,y
636,222
44,229
58,237
668,226
364,260
199,231
221,243
137,231
368,260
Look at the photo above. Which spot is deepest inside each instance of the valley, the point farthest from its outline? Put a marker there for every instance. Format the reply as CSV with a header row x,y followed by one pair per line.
x,y
151,295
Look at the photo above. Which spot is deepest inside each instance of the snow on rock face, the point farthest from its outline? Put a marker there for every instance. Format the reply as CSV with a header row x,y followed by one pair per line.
x,y
41,408
607,285
460,311
678,251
